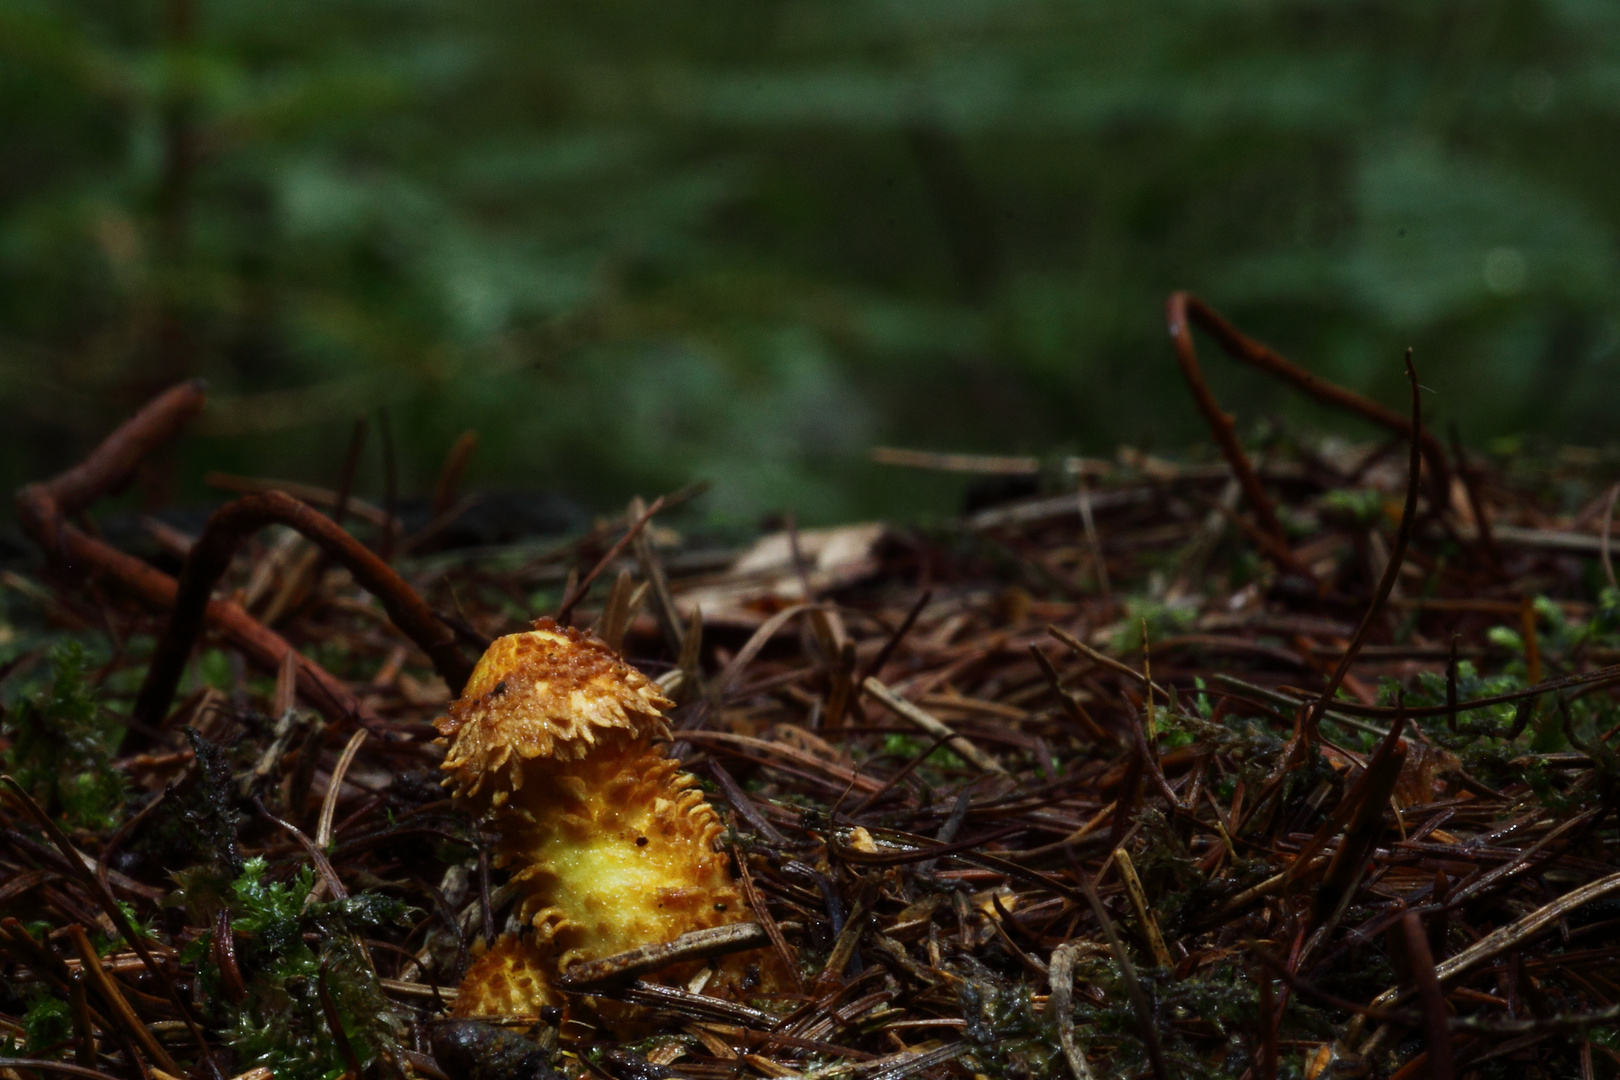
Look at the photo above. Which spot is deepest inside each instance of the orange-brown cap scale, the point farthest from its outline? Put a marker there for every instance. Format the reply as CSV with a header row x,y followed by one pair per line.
x,y
548,693
511,979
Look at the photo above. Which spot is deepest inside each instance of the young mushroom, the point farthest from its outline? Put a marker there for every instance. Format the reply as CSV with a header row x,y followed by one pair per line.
x,y
559,743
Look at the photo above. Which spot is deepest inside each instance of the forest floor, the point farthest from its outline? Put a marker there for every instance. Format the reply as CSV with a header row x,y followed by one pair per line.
x,y
1292,766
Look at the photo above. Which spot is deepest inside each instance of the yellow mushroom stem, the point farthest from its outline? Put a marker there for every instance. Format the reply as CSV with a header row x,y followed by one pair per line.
x,y
615,851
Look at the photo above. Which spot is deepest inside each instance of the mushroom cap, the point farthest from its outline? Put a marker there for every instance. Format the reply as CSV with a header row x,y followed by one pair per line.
x,y
512,978
548,693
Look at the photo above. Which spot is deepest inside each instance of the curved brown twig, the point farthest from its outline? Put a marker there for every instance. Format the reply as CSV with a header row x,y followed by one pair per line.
x,y
80,552
1183,308
42,506
211,555
1177,309
1436,1021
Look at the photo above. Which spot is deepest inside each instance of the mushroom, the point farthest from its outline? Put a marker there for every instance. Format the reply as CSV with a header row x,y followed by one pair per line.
x,y
560,744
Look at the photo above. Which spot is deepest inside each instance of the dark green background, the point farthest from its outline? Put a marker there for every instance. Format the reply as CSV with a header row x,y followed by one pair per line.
x,y
635,242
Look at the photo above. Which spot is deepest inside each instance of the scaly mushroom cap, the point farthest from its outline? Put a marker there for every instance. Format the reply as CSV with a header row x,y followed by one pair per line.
x,y
548,693
511,979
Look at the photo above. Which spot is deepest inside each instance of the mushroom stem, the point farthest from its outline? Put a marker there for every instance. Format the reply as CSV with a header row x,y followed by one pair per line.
x,y
616,850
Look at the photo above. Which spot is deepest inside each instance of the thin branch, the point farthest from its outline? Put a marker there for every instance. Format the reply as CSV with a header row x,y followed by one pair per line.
x,y
1183,308
1220,423
211,555
1436,1030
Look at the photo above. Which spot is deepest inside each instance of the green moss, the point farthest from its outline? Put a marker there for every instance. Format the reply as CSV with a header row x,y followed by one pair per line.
x,y
1162,620
289,952
906,747
1173,731
62,744
214,669
1606,618
1429,689
47,1025
1010,1038
1358,506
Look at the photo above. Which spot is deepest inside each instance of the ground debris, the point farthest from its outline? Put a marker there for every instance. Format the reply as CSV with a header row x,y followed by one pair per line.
x,y
1069,753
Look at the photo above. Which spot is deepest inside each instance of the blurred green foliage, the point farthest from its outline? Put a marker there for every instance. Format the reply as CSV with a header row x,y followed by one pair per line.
x,y
642,242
